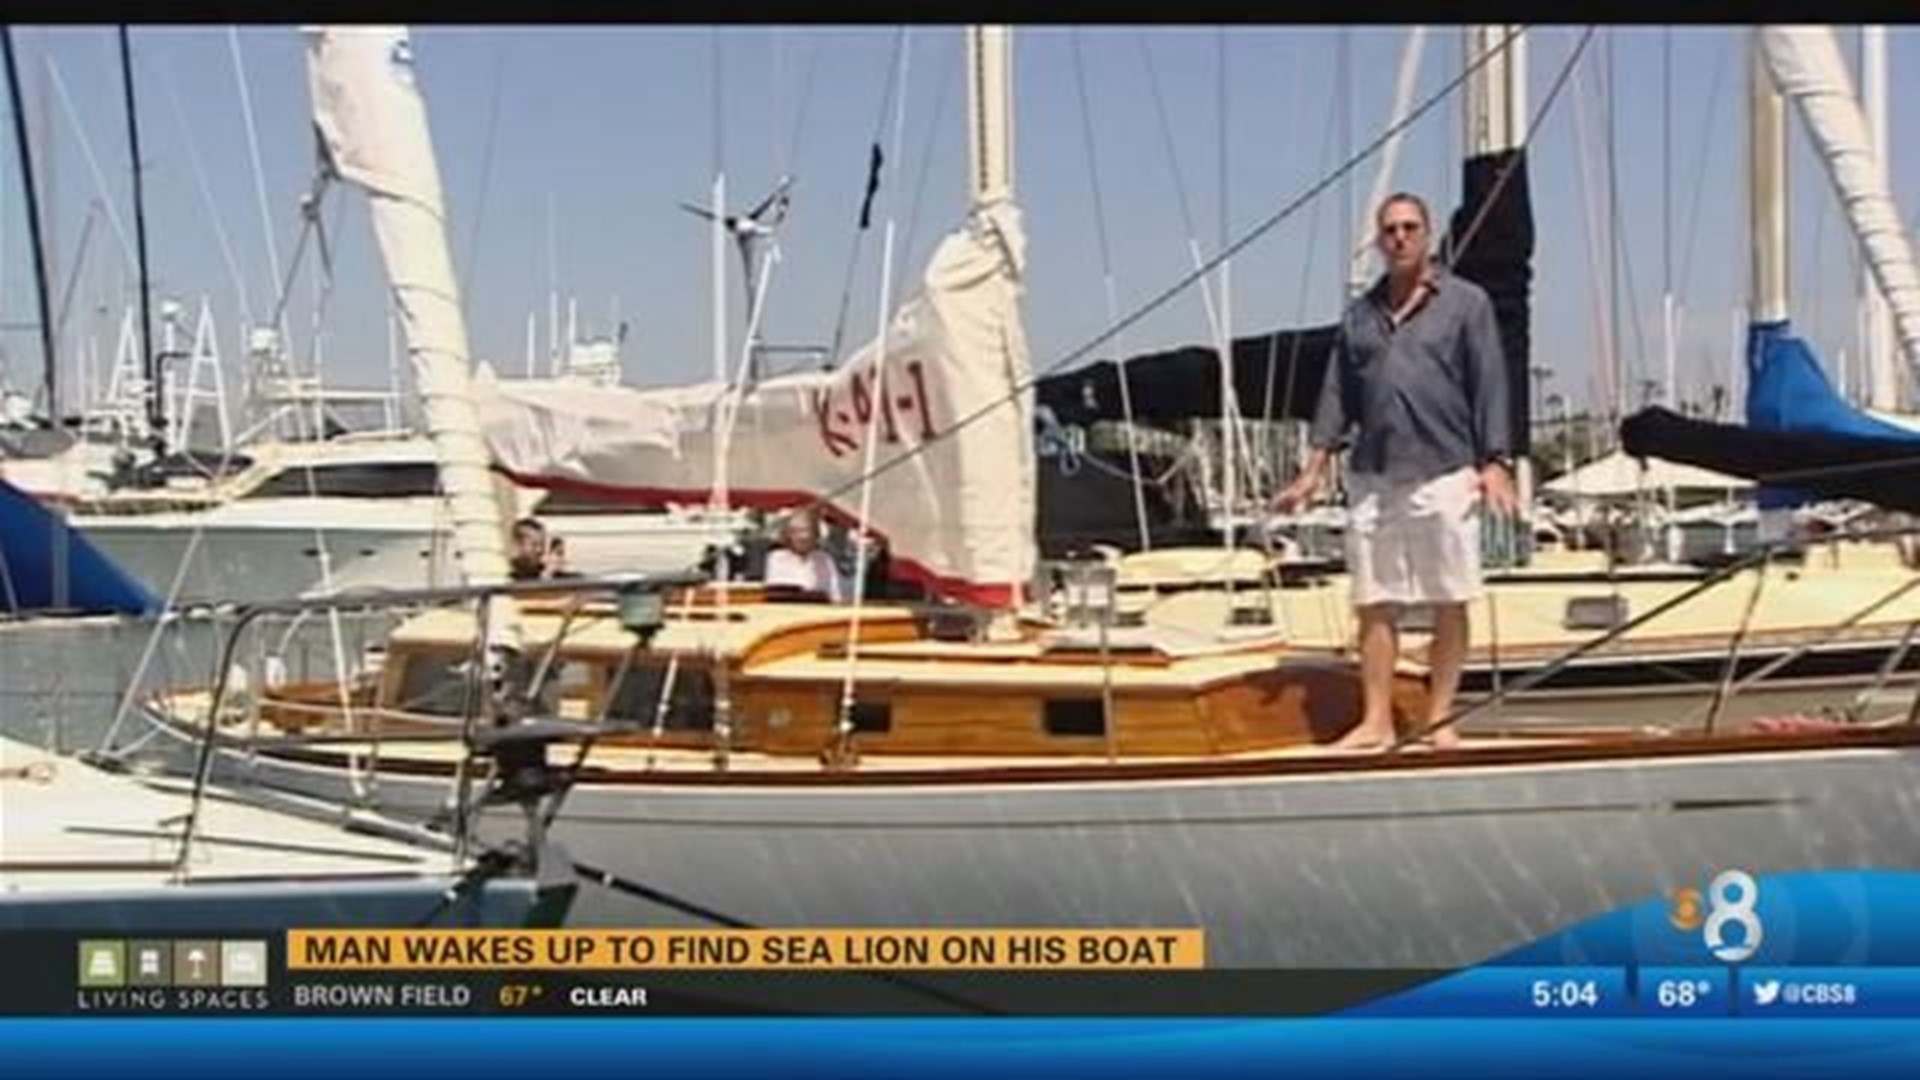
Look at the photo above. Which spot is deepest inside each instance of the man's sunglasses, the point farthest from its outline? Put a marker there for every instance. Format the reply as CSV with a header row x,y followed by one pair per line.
x,y
1398,227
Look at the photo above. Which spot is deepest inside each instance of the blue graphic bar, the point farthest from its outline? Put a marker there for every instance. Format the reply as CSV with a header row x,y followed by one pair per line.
x,y
188,1048
1513,991
1858,992
1684,991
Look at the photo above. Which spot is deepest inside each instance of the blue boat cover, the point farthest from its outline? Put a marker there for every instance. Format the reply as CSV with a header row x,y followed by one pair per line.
x,y
1788,391
29,539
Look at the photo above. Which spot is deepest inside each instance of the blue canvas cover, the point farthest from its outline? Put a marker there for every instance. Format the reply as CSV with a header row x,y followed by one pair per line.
x,y
1788,391
29,539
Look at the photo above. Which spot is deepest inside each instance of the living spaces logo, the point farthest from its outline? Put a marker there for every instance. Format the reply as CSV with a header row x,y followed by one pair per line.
x,y
122,975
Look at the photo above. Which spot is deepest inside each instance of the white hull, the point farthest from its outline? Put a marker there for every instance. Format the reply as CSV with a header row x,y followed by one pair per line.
x,y
261,549
1417,866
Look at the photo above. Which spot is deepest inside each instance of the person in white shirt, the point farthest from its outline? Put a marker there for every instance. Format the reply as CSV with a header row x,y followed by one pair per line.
x,y
799,562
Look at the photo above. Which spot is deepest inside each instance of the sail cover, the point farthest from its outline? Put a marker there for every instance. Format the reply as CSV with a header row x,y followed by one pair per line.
x,y
1800,442
30,540
945,393
1277,375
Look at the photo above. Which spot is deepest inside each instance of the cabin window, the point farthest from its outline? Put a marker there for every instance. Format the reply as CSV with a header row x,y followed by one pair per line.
x,y
1074,716
636,700
872,717
1595,612
361,480
434,684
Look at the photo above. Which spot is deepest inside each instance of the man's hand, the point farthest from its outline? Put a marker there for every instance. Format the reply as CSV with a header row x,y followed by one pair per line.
x,y
1298,494
1496,486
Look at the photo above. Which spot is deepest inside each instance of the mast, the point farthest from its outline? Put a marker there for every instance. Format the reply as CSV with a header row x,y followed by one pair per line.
x,y
1883,378
1766,195
1495,110
990,114
1766,224
31,190
1496,95
150,361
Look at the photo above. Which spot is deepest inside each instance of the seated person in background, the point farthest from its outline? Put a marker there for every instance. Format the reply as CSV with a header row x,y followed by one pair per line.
x,y
535,557
799,563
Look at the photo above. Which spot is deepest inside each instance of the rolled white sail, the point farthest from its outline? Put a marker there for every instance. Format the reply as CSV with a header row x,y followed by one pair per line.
x,y
373,126
1806,65
956,505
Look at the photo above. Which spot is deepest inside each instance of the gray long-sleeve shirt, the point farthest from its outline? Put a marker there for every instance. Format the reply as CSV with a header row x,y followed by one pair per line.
x,y
1422,399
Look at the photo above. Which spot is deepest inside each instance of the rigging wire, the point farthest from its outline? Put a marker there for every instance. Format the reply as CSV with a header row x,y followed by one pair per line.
x,y
253,151
206,193
879,405
1259,229
1705,144
1111,289
1619,252
93,163
1608,374
876,162
924,169
1211,303
801,111
470,272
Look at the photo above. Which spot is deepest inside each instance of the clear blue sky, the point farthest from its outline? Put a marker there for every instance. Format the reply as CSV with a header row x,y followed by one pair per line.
x,y
610,127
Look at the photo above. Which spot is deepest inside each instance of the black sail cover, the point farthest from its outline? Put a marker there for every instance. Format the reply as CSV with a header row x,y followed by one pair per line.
x,y
1833,465
1278,374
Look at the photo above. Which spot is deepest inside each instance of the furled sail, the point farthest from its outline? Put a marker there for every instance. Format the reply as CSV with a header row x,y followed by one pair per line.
x,y
953,486
1807,67
373,128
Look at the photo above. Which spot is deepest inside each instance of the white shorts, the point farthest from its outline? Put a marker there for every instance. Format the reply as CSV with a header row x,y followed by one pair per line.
x,y
1414,543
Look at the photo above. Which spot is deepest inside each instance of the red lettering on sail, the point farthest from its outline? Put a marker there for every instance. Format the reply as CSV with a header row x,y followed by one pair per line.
x,y
836,441
843,429
917,372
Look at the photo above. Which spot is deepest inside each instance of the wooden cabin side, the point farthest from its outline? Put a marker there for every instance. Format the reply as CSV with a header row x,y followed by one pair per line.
x,y
913,696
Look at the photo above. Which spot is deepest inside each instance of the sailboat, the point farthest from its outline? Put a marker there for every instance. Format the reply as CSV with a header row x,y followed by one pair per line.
x,y
747,759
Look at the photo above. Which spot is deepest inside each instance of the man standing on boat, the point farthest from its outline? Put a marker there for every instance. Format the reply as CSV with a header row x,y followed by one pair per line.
x,y
1416,391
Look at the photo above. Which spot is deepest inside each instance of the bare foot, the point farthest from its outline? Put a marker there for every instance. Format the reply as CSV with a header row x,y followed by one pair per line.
x,y
1361,740
1445,738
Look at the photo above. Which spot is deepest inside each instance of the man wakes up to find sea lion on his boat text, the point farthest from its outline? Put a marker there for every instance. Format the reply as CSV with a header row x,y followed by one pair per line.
x,y
1416,393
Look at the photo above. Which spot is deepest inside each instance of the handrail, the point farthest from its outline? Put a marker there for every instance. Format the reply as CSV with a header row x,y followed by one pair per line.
x,y
362,600
1764,553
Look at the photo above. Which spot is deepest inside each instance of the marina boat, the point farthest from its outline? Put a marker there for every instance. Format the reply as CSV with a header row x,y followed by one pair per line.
x,y
745,758
88,849
298,517
1825,630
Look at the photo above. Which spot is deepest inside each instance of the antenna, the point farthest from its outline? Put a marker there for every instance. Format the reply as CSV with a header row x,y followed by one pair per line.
x,y
751,231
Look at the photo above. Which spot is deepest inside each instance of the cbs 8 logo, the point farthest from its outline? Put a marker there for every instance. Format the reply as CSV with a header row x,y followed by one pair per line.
x,y
1731,896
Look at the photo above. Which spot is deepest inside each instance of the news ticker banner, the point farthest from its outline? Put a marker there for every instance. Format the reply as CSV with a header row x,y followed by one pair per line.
x,y
1735,945
640,971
